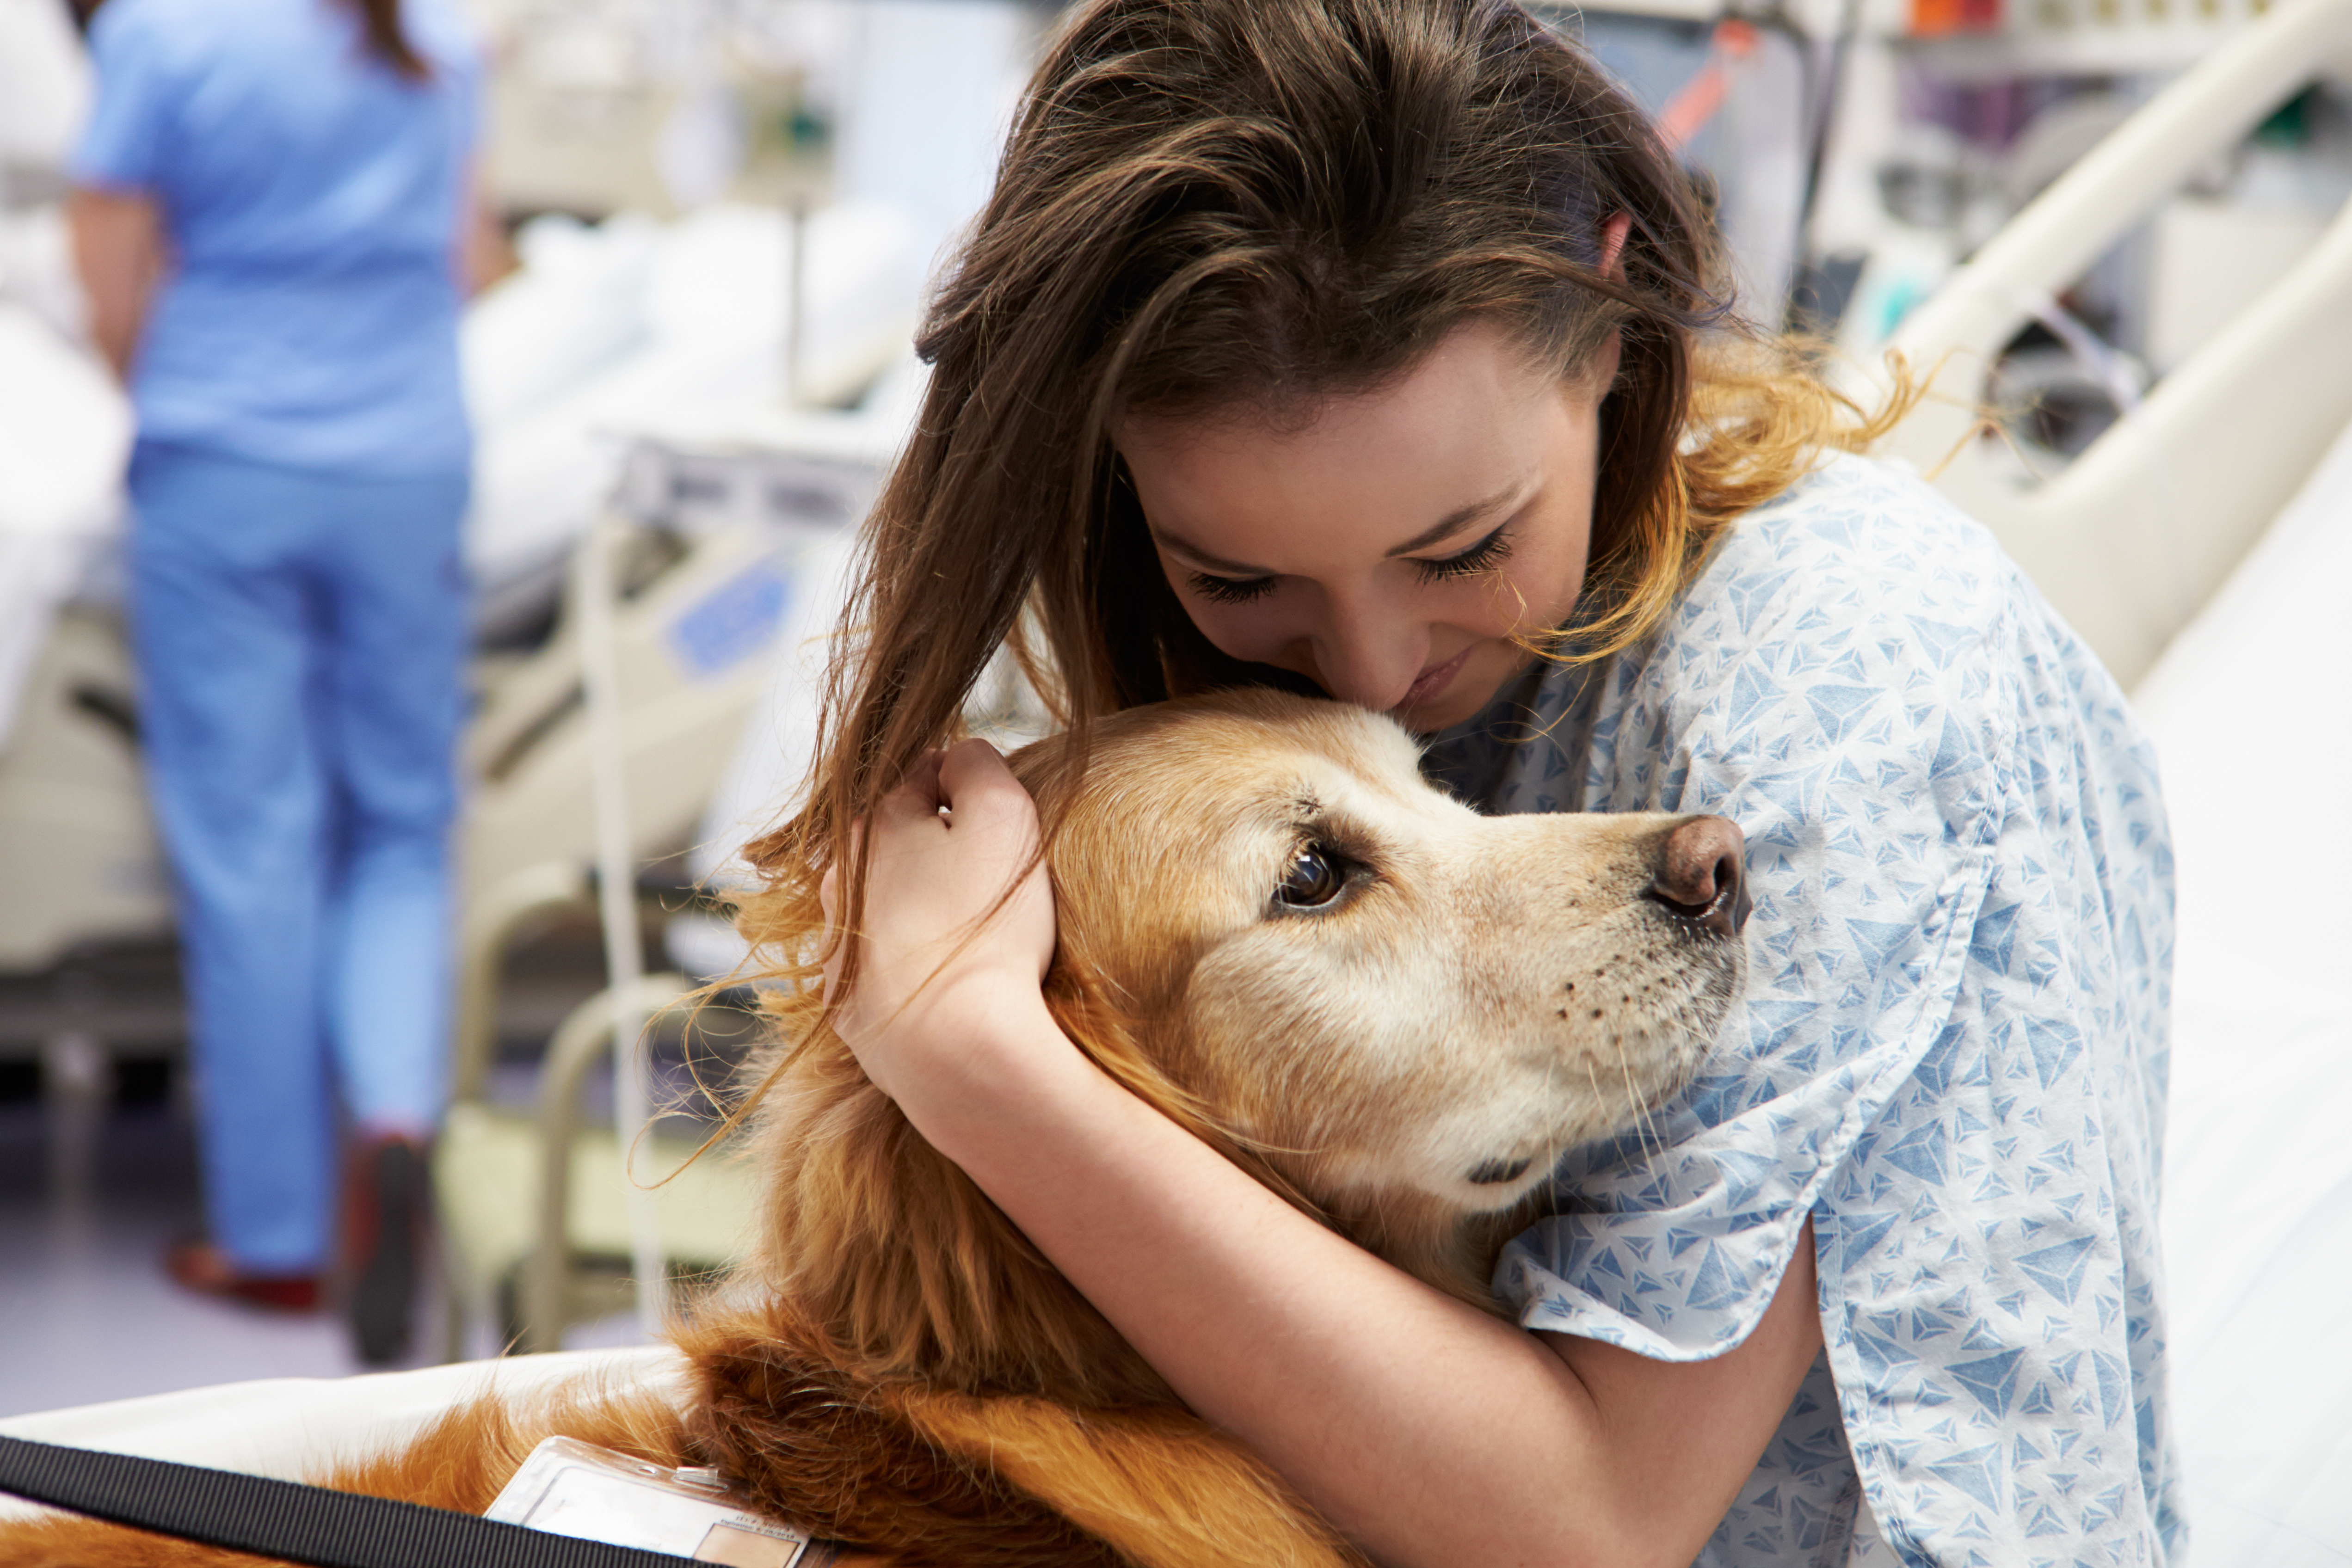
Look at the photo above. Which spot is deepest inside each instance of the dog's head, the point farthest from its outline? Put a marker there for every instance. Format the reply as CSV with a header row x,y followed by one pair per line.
x,y
1348,968
1396,1010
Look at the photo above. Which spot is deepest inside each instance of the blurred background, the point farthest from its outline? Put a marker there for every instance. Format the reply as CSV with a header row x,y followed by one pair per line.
x,y
713,222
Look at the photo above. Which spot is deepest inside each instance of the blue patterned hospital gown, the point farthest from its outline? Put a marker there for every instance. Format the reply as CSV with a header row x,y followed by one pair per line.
x,y
1954,1044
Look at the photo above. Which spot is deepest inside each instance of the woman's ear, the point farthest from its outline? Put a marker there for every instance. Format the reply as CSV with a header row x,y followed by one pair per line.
x,y
1612,244
1603,372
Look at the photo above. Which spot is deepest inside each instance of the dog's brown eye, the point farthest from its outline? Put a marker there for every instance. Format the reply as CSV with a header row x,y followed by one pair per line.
x,y
1314,880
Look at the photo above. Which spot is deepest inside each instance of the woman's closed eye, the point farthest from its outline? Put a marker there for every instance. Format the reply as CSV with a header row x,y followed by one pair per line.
x,y
1484,556
1230,590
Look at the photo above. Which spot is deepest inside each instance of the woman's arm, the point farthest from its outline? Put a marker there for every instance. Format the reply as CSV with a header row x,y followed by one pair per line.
x,y
118,249
1426,1429
485,255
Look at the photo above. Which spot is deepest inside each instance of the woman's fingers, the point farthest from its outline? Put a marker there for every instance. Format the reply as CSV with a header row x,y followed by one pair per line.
x,y
956,908
997,820
917,800
981,794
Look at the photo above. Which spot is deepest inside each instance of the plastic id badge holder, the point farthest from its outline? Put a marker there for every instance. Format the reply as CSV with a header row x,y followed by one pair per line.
x,y
571,1487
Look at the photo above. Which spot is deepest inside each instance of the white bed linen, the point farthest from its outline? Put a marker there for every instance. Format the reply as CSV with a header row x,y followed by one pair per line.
x,y
291,1427
2250,709
65,431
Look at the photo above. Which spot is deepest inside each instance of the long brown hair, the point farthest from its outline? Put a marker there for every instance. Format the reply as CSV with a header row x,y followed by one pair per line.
x,y
388,41
1217,204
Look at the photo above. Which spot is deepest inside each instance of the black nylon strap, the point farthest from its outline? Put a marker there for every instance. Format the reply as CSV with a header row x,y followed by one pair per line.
x,y
287,1519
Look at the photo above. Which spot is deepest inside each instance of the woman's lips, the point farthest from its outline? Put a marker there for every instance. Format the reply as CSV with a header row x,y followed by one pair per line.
x,y
1428,683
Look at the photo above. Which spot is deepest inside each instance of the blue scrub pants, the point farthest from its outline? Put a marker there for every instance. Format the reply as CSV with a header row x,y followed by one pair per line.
x,y
300,639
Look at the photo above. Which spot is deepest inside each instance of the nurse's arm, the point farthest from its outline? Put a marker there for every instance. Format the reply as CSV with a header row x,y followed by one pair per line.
x,y
118,249
485,255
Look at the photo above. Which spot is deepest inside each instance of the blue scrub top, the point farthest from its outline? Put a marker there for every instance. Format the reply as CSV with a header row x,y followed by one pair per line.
x,y
312,198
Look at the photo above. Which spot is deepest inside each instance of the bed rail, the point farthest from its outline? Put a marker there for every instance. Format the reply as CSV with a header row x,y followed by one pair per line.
x,y
2130,539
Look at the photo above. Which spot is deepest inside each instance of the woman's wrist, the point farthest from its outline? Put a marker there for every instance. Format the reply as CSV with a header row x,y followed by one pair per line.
x,y
991,1054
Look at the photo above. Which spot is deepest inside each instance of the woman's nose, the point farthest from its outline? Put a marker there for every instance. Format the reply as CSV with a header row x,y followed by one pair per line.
x,y
1369,659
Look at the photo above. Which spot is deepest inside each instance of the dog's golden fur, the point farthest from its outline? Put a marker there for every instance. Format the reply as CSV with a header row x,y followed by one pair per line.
x,y
897,1368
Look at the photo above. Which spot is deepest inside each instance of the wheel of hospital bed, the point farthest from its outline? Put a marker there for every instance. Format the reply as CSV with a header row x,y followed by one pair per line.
x,y
2135,533
295,1427
526,1202
2248,711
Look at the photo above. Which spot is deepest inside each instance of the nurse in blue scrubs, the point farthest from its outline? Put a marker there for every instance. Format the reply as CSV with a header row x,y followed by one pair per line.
x,y
271,211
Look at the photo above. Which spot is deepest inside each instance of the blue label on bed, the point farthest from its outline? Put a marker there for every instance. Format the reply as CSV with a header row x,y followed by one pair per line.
x,y
730,624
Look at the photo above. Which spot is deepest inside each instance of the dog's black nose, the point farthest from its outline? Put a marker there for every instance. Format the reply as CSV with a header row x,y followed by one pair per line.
x,y
1698,874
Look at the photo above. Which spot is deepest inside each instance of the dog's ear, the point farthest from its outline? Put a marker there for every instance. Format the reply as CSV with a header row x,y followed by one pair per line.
x,y
881,1244
1133,1051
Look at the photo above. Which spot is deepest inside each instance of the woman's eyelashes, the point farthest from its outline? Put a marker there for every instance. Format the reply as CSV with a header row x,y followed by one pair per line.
x,y
1230,590
1484,556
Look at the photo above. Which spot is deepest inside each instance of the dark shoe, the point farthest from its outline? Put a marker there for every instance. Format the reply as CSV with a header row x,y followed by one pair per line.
x,y
385,1226
201,1266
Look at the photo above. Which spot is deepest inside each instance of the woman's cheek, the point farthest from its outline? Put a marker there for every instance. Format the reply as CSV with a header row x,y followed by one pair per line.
x,y
1252,633
1538,592
1233,629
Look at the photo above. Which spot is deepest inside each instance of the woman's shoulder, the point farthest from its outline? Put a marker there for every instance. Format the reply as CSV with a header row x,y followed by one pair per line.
x,y
1856,542
189,34
1861,625
1861,578
158,29
445,33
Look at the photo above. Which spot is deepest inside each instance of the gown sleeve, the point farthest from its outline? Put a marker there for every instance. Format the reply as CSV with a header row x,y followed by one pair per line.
x,y
1952,1051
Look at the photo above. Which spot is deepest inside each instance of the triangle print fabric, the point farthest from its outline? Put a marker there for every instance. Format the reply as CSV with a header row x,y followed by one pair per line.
x,y
1953,1049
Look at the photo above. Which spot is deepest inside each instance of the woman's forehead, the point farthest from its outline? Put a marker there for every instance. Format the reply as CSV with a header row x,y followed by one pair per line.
x,y
1458,437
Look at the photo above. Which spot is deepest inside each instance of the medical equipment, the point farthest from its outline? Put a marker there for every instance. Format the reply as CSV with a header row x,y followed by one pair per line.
x,y
2137,533
73,818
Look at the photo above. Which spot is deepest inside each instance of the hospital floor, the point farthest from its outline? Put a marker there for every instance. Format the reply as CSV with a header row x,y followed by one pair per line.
x,y
98,1176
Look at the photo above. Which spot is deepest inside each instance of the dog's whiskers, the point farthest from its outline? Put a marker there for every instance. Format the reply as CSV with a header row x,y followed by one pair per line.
x,y
1642,1122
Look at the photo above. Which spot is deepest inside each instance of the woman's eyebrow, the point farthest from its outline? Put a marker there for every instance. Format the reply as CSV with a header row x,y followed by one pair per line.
x,y
1446,527
1461,517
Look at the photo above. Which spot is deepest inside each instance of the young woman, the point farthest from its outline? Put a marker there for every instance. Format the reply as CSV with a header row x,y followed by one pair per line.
x,y
271,209
1366,347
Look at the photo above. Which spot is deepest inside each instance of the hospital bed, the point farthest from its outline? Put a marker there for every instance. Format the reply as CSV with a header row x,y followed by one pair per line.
x,y
2147,543
2231,643
648,690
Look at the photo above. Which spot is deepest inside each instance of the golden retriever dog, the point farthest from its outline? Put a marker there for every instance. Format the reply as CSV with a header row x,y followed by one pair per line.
x,y
1390,1009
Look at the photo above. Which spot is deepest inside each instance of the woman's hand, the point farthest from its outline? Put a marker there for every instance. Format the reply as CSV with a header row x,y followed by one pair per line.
x,y
939,975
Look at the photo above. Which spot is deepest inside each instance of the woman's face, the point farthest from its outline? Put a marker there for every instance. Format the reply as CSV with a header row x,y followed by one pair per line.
x,y
1391,549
